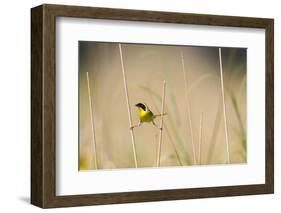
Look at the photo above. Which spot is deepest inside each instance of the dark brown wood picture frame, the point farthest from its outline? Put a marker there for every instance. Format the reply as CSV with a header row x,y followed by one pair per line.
x,y
43,105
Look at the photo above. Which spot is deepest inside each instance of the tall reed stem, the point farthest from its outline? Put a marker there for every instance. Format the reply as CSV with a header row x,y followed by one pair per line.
x,y
92,124
188,118
224,109
200,139
169,135
128,107
161,125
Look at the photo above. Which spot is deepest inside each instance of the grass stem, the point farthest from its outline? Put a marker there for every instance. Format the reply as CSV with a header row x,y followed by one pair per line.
x,y
188,108
92,124
161,125
128,107
213,141
168,134
200,139
224,109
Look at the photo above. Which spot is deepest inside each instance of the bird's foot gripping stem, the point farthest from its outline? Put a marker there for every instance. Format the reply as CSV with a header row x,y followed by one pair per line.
x,y
138,125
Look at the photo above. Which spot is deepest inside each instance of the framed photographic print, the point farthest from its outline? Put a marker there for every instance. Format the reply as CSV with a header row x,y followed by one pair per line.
x,y
135,106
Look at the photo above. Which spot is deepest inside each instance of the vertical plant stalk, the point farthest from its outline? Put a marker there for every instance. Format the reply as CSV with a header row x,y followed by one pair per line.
x,y
188,118
200,139
161,125
224,109
213,140
169,136
92,124
128,107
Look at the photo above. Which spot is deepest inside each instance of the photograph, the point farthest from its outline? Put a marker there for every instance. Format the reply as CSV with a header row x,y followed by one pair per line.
x,y
169,105
161,105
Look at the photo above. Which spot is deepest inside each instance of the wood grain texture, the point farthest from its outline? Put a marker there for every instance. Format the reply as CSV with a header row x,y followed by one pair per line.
x,y
36,106
43,105
269,118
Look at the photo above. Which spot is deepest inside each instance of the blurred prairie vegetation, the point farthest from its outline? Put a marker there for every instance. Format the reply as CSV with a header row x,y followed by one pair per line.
x,y
146,67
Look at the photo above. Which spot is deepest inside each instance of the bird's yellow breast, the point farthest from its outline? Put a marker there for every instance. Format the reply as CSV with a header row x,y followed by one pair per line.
x,y
145,116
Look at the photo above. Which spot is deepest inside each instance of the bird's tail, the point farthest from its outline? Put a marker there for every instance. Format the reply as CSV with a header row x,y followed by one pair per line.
x,y
158,115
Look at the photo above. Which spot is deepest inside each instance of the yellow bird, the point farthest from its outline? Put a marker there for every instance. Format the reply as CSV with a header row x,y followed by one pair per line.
x,y
145,115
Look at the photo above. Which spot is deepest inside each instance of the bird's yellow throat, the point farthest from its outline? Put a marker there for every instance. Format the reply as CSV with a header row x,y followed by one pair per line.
x,y
145,116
